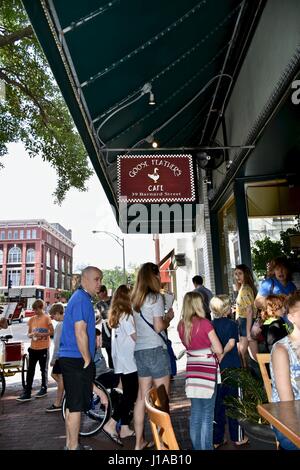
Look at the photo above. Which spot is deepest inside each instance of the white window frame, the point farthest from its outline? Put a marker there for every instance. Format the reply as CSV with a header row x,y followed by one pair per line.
x,y
30,255
15,252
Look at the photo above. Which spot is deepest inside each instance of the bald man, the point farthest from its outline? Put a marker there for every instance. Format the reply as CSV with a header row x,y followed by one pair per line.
x,y
76,353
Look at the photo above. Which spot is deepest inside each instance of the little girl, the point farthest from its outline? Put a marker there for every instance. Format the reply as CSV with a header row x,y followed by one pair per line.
x,y
274,327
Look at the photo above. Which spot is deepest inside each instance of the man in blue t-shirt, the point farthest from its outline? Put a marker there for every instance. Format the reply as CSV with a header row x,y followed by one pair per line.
x,y
76,353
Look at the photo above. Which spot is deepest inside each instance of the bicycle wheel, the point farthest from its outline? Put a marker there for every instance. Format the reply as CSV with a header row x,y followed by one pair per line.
x,y
25,362
94,419
2,384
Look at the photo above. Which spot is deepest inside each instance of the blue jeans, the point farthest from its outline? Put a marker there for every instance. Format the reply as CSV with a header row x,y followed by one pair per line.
x,y
220,415
284,442
201,422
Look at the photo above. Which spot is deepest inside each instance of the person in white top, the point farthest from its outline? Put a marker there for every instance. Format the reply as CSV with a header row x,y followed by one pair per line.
x,y
120,320
151,354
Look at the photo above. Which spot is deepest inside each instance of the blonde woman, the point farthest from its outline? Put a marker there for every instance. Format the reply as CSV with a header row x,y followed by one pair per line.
x,y
151,355
202,344
120,320
245,310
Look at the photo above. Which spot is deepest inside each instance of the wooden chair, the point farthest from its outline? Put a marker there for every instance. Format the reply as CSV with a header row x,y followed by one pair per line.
x,y
262,360
157,406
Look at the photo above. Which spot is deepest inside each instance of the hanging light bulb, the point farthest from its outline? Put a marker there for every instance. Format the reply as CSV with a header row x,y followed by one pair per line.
x,y
150,139
151,98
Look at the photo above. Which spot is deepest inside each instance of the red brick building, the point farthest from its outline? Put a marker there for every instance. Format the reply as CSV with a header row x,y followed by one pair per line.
x,y
35,254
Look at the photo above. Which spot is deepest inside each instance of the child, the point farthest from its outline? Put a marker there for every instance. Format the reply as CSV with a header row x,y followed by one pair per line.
x,y
274,326
227,332
109,380
56,312
104,374
40,329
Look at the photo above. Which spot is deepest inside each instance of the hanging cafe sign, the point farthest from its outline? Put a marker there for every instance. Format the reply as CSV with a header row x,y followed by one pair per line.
x,y
156,178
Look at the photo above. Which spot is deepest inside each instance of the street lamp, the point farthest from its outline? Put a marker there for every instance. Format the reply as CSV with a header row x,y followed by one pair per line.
x,y
120,242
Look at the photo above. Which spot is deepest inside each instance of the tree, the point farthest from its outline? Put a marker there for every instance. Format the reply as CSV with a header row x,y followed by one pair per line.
x,y
32,110
286,244
64,294
113,278
262,252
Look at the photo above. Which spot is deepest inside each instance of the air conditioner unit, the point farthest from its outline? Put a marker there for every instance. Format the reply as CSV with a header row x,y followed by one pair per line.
x,y
180,259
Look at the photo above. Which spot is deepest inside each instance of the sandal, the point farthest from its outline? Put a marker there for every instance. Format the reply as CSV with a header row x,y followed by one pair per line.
x,y
147,445
243,442
216,446
114,437
132,434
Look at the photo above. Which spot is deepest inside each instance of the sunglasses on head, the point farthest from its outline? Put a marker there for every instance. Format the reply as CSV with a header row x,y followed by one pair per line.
x,y
154,269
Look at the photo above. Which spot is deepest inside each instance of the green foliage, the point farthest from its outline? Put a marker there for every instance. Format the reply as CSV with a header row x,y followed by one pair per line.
x,y
262,252
253,394
113,278
285,242
66,294
266,249
33,110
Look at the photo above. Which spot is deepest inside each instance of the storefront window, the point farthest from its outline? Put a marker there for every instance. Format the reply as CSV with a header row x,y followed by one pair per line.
x,y
229,245
274,228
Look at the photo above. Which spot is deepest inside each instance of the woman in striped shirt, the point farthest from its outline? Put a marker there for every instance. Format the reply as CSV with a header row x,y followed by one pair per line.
x,y
202,344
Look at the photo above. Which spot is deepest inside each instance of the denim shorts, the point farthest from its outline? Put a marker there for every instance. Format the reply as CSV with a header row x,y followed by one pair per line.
x,y
242,322
154,362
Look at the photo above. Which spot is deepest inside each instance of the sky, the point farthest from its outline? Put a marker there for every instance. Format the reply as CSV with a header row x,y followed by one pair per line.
x,y
26,192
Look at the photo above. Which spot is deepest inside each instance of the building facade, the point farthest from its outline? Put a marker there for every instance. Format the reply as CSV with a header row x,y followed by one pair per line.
x,y
35,254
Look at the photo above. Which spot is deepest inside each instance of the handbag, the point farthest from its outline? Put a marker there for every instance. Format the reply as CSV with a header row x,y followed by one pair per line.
x,y
172,357
168,342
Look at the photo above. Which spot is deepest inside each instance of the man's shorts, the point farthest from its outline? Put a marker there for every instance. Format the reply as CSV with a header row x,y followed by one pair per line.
x,y
56,368
78,383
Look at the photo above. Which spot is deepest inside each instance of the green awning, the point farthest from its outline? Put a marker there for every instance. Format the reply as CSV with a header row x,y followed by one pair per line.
x,y
104,55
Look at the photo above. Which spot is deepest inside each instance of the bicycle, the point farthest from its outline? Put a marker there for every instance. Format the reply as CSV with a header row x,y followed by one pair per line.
x,y
94,419
12,361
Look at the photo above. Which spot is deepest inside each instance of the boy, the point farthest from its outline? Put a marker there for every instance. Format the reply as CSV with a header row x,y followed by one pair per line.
x,y
56,312
227,332
40,329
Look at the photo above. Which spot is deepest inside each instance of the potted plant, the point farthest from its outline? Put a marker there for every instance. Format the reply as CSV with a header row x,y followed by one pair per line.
x,y
244,408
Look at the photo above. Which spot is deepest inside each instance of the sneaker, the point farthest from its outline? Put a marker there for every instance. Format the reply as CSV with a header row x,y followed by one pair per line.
x,y
53,408
42,393
25,397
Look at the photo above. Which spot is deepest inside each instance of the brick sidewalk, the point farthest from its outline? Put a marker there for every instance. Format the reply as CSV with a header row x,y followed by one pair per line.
x,y
27,426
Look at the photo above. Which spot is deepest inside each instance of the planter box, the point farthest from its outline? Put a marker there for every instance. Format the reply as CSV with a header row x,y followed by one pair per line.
x,y
261,436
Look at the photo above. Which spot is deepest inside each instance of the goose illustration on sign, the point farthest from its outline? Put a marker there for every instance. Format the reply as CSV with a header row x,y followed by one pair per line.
x,y
155,176
172,176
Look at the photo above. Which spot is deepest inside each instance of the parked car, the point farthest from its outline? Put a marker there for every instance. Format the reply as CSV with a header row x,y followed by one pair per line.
x,y
28,313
